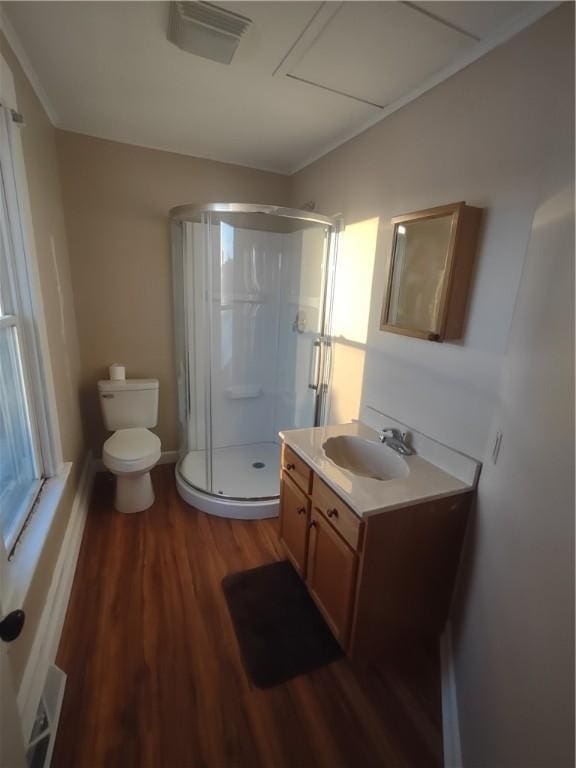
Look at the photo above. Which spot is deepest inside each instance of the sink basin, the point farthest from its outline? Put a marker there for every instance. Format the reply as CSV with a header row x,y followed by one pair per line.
x,y
366,458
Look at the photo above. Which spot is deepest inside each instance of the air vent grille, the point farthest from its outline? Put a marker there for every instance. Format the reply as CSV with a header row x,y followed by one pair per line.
x,y
216,18
206,30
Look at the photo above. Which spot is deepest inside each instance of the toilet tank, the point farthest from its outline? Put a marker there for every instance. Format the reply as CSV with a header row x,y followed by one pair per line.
x,y
129,403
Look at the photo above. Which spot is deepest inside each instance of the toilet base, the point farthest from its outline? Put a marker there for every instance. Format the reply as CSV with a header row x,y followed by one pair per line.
x,y
134,493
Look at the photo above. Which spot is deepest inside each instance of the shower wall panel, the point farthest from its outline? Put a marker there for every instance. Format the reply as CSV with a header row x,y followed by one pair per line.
x,y
257,330
245,281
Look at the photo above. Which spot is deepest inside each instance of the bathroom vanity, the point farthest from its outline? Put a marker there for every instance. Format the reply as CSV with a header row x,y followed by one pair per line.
x,y
375,536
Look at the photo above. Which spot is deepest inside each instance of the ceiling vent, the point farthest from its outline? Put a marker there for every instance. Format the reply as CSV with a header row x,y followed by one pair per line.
x,y
206,30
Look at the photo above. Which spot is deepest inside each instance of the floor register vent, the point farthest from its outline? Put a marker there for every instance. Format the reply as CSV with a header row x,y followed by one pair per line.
x,y
41,742
206,30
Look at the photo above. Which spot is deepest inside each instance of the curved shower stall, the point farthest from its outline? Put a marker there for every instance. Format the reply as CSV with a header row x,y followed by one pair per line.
x,y
252,289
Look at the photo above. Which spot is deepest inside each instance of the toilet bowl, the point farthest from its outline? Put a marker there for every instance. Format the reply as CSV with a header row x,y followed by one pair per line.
x,y
130,454
130,408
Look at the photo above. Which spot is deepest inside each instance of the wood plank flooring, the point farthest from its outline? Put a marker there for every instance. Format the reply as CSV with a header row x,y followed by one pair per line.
x,y
154,673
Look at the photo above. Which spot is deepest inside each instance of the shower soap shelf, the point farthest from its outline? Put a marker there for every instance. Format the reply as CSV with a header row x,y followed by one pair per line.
x,y
242,393
229,299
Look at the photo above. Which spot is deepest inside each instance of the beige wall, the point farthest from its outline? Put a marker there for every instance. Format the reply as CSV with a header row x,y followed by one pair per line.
x,y
499,135
38,138
117,200
514,617
483,136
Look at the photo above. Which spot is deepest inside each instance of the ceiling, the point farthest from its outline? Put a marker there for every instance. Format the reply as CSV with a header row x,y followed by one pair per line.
x,y
306,75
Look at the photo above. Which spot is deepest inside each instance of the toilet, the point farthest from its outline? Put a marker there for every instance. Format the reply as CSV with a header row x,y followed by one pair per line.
x,y
130,408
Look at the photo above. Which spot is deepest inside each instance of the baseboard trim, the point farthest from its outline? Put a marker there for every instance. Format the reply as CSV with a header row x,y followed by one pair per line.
x,y
47,639
166,457
450,722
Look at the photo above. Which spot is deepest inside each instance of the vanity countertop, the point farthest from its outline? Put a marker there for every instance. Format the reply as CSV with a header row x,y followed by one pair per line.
x,y
366,495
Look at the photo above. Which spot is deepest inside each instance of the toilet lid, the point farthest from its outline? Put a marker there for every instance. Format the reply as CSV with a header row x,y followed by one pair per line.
x,y
132,444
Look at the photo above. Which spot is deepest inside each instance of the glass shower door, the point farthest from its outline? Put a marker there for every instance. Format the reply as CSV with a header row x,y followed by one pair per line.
x,y
190,243
255,360
268,281
303,344
246,259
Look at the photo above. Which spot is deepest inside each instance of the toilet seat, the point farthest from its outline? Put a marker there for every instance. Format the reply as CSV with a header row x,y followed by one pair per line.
x,y
131,450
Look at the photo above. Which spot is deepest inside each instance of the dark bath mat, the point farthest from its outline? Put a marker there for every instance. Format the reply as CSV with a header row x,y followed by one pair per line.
x,y
280,631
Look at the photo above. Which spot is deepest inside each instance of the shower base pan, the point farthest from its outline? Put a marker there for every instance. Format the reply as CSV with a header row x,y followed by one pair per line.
x,y
245,481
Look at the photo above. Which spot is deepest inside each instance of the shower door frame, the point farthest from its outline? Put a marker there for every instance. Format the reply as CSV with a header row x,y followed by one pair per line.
x,y
201,214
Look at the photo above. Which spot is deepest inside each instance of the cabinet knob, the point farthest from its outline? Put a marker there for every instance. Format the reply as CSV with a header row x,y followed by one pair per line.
x,y
290,466
301,510
332,512
313,524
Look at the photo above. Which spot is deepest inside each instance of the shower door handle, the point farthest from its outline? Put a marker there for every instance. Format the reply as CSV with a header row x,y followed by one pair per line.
x,y
316,353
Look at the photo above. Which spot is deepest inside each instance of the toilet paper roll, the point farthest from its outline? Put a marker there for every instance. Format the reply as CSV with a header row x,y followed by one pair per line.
x,y
117,372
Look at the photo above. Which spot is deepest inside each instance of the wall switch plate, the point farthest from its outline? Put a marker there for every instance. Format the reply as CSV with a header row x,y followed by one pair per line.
x,y
496,448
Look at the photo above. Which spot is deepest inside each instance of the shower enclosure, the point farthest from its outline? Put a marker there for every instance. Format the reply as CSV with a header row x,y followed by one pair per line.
x,y
252,290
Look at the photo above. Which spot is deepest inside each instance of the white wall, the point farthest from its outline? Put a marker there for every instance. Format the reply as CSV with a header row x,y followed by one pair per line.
x,y
498,135
514,623
482,136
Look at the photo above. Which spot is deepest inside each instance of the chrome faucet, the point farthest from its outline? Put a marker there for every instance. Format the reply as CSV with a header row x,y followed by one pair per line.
x,y
394,439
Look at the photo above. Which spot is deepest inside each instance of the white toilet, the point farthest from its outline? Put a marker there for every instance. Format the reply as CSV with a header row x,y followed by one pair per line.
x,y
130,407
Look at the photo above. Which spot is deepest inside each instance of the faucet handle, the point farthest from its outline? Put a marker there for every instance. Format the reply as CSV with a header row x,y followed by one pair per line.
x,y
397,440
390,432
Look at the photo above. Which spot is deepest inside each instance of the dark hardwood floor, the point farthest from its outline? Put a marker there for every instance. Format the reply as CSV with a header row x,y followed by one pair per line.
x,y
155,676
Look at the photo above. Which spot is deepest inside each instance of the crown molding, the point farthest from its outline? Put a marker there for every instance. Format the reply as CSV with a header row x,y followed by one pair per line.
x,y
20,54
502,35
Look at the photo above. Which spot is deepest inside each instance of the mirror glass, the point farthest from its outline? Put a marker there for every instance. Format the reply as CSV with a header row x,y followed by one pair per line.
x,y
419,266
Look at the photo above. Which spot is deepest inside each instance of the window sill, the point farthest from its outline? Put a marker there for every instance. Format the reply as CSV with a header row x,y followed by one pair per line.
x,y
21,568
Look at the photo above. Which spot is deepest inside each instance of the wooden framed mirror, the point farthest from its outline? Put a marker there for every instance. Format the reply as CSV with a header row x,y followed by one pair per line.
x,y
430,272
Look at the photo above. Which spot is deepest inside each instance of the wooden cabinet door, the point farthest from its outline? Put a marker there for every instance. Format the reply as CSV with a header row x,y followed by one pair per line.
x,y
294,518
331,576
